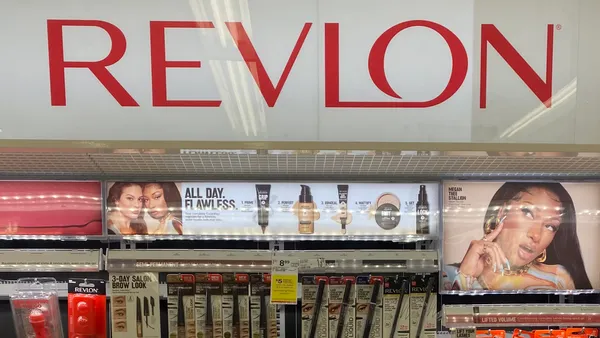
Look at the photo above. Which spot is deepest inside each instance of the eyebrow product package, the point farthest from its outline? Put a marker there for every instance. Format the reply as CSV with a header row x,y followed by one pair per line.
x,y
236,305
396,312
131,313
423,306
314,307
180,299
369,306
263,314
342,307
209,315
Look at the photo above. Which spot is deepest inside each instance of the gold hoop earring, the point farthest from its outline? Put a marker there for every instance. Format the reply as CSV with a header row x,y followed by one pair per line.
x,y
541,258
487,227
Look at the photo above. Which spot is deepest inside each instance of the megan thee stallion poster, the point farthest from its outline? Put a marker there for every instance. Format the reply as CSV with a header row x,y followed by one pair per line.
x,y
521,236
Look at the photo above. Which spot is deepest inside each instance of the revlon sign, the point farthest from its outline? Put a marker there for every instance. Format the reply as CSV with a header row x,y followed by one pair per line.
x,y
264,70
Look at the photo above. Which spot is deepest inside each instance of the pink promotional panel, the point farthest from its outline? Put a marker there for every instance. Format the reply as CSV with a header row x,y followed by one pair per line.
x,y
50,208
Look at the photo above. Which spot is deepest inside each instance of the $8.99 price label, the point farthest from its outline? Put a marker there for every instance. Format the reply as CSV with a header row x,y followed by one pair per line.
x,y
284,281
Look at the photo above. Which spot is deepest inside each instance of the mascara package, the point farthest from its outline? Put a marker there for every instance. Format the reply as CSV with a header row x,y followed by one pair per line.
x,y
314,307
423,306
235,305
180,298
342,295
369,306
262,313
209,317
396,310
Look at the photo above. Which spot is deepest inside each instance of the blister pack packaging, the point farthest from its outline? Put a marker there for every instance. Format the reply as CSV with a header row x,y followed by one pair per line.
x,y
35,308
87,308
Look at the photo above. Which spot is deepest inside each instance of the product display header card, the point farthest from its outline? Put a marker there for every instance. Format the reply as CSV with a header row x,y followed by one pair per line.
x,y
272,209
56,208
521,236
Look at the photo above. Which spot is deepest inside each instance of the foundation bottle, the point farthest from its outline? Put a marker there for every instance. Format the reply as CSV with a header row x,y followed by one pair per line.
x,y
306,213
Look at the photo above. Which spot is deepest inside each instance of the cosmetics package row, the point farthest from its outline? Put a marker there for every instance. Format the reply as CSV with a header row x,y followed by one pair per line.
x,y
230,305
575,332
36,312
369,306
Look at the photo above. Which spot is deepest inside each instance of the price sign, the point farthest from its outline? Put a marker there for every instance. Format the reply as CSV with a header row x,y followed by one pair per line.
x,y
284,281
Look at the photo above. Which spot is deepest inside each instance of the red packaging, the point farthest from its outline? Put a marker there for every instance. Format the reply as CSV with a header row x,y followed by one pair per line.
x,y
87,308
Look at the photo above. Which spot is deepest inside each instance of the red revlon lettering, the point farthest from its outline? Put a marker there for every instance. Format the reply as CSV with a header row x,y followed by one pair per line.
x,y
460,64
57,63
269,92
542,89
159,64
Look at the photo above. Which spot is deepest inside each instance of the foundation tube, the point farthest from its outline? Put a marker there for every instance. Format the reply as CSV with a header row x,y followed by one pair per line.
x,y
343,205
263,194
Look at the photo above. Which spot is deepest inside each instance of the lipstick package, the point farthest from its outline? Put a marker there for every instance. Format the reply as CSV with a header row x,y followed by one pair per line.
x,y
263,315
342,307
87,308
423,306
209,315
236,305
314,307
180,300
369,306
396,311
35,308
134,305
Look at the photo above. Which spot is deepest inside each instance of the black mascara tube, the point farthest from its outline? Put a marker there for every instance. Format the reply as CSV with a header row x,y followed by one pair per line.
x,y
317,309
403,290
146,310
343,310
263,193
343,205
263,313
372,305
425,305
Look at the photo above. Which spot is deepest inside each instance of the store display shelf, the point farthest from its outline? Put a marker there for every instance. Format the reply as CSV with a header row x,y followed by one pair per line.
x,y
51,238
522,292
51,260
409,238
515,315
8,287
350,261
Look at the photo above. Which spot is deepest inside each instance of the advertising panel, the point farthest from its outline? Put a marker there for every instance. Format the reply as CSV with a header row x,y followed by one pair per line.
x,y
281,209
521,236
468,71
50,208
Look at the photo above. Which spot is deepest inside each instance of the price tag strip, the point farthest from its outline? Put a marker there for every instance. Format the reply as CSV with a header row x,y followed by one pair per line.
x,y
465,316
284,281
311,261
50,260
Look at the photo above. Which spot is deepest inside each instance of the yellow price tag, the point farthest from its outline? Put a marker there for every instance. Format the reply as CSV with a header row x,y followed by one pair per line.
x,y
284,281
284,289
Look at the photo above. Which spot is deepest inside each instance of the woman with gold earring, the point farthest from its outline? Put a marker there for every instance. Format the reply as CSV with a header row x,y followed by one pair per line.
x,y
529,242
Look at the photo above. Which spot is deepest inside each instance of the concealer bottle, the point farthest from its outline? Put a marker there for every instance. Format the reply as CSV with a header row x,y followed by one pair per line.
x,y
306,214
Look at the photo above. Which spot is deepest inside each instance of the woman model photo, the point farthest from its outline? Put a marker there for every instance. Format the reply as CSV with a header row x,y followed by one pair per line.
x,y
163,203
528,242
124,213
